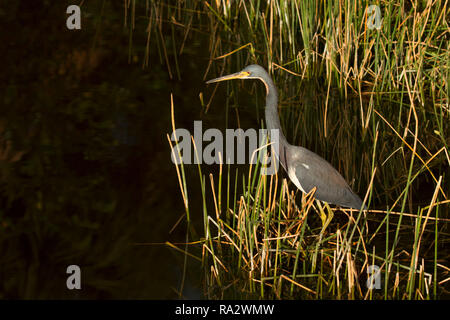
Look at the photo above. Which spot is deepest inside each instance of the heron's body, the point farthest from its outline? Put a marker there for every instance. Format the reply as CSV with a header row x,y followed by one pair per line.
x,y
305,168
308,170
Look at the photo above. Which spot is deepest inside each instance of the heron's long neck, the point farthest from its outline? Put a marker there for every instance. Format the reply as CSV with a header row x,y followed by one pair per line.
x,y
272,118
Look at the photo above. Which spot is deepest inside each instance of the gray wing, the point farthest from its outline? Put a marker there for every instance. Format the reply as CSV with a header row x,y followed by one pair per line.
x,y
312,171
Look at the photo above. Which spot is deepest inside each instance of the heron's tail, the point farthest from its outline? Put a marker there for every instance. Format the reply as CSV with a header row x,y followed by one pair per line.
x,y
353,201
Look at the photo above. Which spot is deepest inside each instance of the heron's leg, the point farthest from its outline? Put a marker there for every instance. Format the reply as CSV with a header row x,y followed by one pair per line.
x,y
325,213
326,219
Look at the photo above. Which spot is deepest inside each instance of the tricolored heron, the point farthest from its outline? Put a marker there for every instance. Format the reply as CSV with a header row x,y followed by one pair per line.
x,y
305,168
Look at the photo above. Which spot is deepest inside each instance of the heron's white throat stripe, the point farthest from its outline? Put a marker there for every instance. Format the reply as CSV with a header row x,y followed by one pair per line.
x,y
291,174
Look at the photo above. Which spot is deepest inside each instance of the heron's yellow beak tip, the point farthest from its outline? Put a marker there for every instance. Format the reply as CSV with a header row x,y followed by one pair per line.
x,y
237,75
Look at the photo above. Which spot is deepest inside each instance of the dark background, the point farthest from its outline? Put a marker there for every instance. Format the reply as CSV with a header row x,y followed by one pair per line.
x,y
85,173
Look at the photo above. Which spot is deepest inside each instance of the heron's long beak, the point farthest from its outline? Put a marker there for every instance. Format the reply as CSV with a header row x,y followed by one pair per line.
x,y
237,75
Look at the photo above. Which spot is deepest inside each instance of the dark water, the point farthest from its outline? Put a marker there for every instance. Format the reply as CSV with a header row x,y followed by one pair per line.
x,y
87,179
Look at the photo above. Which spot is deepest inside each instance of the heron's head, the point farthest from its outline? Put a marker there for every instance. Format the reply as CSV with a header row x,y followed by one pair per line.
x,y
252,71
